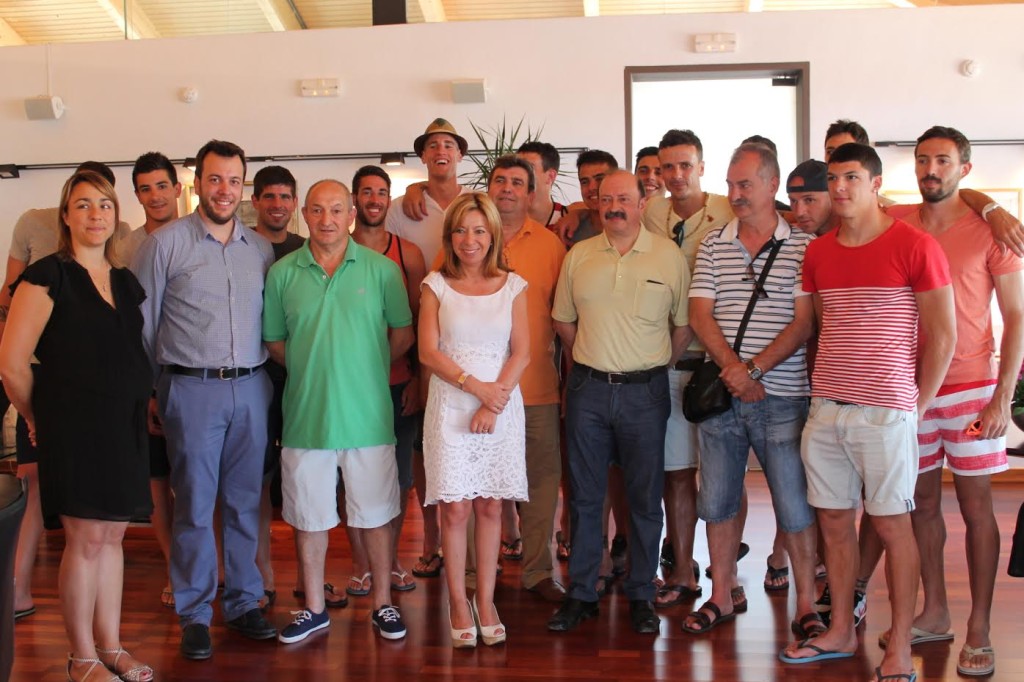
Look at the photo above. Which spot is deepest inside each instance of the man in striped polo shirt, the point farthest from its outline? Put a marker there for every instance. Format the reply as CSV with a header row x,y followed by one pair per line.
x,y
874,280
767,377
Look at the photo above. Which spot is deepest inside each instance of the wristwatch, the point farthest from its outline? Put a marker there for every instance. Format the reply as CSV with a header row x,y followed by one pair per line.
x,y
753,371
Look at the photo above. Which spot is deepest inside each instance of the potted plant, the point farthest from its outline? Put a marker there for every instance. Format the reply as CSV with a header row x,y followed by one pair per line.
x,y
495,142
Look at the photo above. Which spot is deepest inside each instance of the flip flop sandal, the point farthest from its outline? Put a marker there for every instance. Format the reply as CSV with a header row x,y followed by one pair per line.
x,y
819,654
331,598
970,652
739,600
167,597
879,677
809,626
359,587
773,574
429,561
918,636
682,592
18,615
704,622
270,596
401,585
668,554
513,551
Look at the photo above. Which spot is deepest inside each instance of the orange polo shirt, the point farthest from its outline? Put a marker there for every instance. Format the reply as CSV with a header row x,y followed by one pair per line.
x,y
536,255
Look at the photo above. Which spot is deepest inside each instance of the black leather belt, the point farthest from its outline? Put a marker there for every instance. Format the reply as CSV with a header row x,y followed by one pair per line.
x,y
643,376
224,373
688,364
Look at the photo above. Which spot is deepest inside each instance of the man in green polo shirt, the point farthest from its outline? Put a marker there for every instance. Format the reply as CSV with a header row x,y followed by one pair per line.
x,y
336,314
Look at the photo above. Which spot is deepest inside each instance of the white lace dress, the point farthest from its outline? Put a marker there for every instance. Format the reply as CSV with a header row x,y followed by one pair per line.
x,y
474,332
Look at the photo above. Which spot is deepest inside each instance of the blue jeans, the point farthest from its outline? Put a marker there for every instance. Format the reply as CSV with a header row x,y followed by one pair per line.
x,y
216,441
772,427
625,424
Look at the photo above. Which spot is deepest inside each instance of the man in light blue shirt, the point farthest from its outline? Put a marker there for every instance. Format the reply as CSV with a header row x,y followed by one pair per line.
x,y
203,276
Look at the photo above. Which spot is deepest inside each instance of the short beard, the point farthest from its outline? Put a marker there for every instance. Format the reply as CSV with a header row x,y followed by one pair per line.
x,y
207,206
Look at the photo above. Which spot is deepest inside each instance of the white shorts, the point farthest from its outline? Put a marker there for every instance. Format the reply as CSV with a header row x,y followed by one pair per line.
x,y
943,437
309,481
680,435
848,449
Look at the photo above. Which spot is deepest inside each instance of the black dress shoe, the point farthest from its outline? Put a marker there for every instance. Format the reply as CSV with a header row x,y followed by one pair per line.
x,y
641,614
253,625
571,613
549,589
195,642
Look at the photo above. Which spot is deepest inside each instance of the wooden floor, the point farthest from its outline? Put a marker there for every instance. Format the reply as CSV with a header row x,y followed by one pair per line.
x,y
602,649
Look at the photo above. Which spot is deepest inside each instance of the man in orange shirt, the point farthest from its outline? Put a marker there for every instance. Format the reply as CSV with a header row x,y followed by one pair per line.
x,y
536,255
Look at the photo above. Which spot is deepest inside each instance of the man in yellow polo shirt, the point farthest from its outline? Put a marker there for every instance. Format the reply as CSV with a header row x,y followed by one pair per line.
x,y
536,255
621,311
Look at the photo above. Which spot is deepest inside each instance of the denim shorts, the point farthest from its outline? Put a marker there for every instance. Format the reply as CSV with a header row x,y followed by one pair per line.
x,y
772,427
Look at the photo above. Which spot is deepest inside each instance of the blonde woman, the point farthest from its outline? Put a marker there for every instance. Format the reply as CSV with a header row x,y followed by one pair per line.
x,y
85,405
473,337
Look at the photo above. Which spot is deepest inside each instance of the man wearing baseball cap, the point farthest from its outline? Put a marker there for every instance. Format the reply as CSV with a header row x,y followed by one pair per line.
x,y
807,187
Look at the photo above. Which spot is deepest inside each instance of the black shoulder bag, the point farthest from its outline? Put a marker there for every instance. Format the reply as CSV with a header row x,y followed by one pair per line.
x,y
706,395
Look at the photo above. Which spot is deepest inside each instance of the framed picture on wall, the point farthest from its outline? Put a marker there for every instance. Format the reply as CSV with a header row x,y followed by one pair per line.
x,y
246,211
1008,198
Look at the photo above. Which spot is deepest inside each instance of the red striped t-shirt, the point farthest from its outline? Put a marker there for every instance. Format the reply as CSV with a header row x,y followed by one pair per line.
x,y
867,344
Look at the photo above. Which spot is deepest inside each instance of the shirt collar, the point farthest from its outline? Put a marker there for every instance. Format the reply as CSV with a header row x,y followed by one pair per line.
x,y
731,231
644,241
304,257
202,232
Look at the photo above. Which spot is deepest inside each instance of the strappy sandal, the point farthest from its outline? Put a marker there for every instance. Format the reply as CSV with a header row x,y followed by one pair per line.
x,y
89,677
138,673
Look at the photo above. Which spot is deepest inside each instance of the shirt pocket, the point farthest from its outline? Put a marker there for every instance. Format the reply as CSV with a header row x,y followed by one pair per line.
x,y
652,301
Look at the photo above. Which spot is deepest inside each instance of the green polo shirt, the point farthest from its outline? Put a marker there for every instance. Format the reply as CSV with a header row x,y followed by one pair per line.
x,y
335,330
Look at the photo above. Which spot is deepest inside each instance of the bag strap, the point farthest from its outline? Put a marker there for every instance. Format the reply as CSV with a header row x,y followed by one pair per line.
x,y
759,286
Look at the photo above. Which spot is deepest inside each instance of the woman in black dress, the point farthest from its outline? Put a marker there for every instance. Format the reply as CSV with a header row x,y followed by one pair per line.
x,y
85,405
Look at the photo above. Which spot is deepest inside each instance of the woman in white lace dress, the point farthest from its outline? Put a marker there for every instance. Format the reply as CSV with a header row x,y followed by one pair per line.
x,y
473,337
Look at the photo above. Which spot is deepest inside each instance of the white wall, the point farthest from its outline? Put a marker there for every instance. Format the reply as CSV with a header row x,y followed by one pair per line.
x,y
896,71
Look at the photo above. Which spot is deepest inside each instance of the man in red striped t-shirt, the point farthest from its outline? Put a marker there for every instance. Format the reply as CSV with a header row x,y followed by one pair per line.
x,y
874,280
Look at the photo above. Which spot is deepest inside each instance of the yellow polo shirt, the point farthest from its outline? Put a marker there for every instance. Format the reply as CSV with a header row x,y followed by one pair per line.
x,y
623,305
659,218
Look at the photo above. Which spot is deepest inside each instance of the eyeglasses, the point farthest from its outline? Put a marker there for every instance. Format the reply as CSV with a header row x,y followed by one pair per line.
x,y
749,276
679,232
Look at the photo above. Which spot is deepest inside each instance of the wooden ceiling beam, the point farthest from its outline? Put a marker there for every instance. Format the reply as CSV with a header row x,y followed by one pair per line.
x,y
134,23
8,36
279,15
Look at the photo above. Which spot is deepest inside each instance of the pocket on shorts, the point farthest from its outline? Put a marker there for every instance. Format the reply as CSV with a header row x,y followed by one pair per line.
x,y
652,301
883,416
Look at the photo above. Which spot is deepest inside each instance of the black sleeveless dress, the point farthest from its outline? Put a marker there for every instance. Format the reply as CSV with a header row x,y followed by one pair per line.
x,y
92,386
